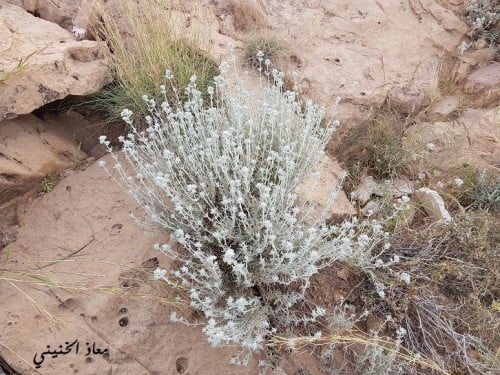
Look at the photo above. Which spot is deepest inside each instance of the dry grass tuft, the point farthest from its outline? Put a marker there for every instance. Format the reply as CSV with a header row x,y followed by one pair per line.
x,y
271,46
397,354
448,310
375,145
146,39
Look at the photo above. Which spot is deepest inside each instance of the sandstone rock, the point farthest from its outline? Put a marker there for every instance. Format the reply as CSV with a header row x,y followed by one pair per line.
x,y
72,125
364,191
55,65
432,203
354,49
31,149
473,138
240,15
319,192
486,79
446,105
81,237
67,14
371,208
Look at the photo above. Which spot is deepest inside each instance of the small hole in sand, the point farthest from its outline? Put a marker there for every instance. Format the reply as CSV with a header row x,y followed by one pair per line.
x,y
123,322
181,364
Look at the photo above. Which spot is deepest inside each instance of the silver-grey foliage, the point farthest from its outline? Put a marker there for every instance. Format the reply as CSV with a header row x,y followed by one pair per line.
x,y
222,178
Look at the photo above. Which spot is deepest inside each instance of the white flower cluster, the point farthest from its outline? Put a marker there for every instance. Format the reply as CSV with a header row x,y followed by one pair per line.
x,y
483,16
222,178
479,15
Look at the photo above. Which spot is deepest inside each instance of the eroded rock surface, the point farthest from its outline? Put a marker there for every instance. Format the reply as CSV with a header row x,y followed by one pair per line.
x,y
473,138
433,204
322,189
54,64
30,150
67,14
96,265
362,50
486,79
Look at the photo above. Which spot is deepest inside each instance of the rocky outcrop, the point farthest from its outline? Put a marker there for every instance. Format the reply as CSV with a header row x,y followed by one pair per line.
x,y
86,268
33,153
67,14
364,50
472,138
41,62
432,203
485,80
323,191
31,150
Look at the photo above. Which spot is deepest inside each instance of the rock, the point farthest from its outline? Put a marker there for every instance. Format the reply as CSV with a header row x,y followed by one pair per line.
x,y
399,187
240,15
73,125
486,79
321,194
432,203
473,139
67,14
108,298
353,49
366,189
446,105
371,208
54,65
98,151
31,149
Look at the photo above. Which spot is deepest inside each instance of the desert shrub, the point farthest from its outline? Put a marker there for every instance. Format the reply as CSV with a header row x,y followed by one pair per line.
x,y
432,294
484,19
48,183
375,145
265,47
140,53
223,180
445,308
486,192
473,188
